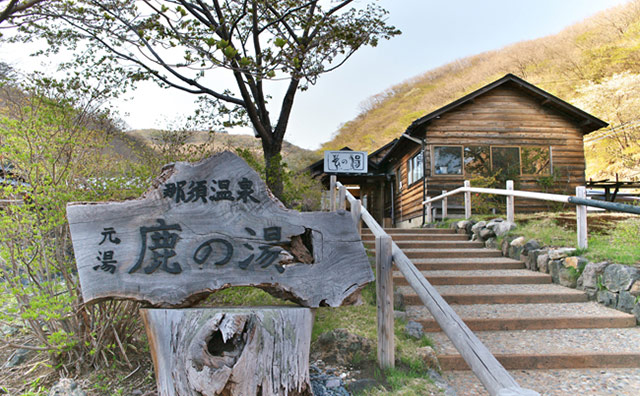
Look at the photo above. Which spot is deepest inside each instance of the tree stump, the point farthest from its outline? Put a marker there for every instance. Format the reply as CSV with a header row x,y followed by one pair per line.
x,y
230,351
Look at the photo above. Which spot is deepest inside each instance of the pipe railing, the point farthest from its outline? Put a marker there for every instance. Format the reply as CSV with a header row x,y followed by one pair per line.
x,y
495,378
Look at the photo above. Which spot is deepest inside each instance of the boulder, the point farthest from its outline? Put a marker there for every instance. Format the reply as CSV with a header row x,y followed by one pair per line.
x,y
625,302
66,387
635,289
493,223
532,244
518,242
505,245
554,270
531,259
486,233
560,253
463,224
542,262
476,228
503,228
428,356
567,276
414,330
618,277
19,356
341,347
636,313
491,243
589,277
607,298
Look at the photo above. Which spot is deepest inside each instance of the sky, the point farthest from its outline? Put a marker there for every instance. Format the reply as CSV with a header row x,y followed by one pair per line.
x,y
434,33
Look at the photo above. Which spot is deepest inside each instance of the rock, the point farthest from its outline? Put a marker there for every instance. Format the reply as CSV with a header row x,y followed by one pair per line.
x,y
66,387
503,228
494,223
359,386
559,253
400,315
414,330
619,277
486,233
518,242
515,251
476,228
474,237
567,277
590,274
571,262
542,262
591,293
504,246
554,270
636,313
531,260
398,301
491,243
635,289
532,244
625,302
136,392
333,383
341,347
607,298
9,330
428,356
463,224
18,357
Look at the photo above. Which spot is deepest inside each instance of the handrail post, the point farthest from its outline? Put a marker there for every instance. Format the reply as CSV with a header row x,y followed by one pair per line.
x,y
581,219
384,297
429,212
342,197
445,206
356,213
510,204
467,200
332,192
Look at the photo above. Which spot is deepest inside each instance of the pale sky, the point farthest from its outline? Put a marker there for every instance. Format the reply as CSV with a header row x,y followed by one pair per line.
x,y
433,33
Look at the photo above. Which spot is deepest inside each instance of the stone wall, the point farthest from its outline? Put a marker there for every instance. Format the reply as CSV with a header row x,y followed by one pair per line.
x,y
614,285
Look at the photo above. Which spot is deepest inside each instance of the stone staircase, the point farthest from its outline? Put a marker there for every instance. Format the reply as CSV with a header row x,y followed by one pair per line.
x,y
551,338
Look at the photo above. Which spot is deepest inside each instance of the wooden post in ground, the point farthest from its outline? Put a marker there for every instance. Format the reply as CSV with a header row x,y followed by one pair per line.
x,y
581,218
342,197
332,192
429,212
356,212
384,297
510,204
445,206
467,200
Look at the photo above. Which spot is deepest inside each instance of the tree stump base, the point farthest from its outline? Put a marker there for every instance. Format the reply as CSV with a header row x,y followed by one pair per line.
x,y
230,351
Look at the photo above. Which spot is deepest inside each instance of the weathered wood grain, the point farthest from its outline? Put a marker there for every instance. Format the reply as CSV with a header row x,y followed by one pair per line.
x,y
230,351
384,297
174,249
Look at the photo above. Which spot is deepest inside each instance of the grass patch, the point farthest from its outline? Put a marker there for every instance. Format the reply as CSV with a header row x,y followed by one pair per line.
x,y
619,246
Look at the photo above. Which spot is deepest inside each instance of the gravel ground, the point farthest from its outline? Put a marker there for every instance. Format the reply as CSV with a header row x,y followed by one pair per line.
x,y
324,384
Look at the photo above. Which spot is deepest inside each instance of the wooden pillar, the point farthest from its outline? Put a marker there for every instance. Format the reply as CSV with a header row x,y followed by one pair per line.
x,y
380,203
332,192
384,297
342,197
356,212
445,206
429,212
467,201
230,351
510,203
581,218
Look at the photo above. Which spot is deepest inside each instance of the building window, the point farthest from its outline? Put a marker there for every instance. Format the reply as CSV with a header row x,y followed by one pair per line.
x,y
477,160
399,179
447,160
506,160
415,170
535,161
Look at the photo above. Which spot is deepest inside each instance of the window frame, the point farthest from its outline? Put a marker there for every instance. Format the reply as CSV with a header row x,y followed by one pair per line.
x,y
433,161
411,167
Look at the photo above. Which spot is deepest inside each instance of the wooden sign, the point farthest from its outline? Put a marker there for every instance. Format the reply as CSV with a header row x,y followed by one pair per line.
x,y
208,226
345,161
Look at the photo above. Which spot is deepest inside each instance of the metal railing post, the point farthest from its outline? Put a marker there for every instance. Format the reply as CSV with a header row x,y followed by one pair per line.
x,y
510,203
581,218
384,296
467,200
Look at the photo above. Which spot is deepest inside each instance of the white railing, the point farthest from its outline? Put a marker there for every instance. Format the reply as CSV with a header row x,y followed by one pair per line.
x,y
581,210
495,378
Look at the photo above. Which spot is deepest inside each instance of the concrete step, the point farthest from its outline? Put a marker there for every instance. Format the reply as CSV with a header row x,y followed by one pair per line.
x,y
559,382
420,237
432,244
478,277
487,317
413,231
450,253
550,349
499,294
467,264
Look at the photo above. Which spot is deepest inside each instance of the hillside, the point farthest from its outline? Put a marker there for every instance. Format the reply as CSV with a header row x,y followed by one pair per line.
x,y
594,65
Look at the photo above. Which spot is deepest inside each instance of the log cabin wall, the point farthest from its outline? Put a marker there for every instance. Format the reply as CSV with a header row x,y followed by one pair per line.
x,y
503,117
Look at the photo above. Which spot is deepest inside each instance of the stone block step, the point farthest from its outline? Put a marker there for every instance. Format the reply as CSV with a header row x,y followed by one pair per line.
x,y
419,237
478,277
488,317
414,231
451,253
432,244
560,382
467,264
499,294
550,349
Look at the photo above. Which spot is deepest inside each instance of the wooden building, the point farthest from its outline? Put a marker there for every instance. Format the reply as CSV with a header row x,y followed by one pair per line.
x,y
508,129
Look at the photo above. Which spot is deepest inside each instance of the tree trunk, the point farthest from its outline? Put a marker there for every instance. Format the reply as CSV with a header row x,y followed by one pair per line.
x,y
273,168
230,351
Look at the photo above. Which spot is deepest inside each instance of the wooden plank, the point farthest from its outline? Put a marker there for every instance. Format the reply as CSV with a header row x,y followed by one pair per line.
x,y
332,192
384,297
356,211
230,351
581,219
445,205
467,200
169,249
429,212
510,200
342,191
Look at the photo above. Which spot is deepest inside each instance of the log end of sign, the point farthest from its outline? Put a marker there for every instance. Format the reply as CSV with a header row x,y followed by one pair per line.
x,y
231,352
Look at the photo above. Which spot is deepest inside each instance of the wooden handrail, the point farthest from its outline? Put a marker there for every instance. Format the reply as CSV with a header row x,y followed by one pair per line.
x,y
495,378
